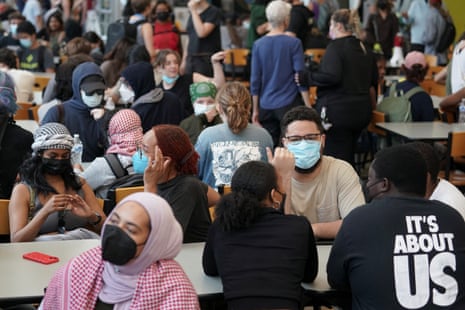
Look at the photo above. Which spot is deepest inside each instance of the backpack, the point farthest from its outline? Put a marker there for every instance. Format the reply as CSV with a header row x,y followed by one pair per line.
x,y
121,29
397,105
167,38
123,179
447,37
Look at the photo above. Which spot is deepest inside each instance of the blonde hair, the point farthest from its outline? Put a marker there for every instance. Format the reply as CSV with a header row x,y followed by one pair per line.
x,y
235,101
349,20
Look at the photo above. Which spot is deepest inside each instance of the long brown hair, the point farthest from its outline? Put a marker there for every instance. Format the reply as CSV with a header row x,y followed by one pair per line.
x,y
235,101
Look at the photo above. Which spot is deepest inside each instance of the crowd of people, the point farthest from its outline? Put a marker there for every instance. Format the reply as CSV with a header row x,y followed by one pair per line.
x,y
144,106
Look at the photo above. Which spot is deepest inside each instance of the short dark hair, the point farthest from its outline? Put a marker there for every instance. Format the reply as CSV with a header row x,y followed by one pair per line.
x,y
8,57
400,164
26,27
301,113
139,5
429,155
16,15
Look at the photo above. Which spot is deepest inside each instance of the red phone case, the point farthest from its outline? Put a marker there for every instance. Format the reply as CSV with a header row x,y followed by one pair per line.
x,y
41,258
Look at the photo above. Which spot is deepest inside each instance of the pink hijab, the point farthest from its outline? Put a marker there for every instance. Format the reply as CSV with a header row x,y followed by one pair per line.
x,y
125,131
164,242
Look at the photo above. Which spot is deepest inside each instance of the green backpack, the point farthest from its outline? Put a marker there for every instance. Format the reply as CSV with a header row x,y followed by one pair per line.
x,y
397,105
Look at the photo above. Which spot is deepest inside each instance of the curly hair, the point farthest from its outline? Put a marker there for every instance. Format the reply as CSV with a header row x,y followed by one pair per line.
x,y
31,172
174,142
251,185
235,101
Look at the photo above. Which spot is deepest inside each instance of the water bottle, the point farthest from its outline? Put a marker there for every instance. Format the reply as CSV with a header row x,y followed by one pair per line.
x,y
462,111
76,151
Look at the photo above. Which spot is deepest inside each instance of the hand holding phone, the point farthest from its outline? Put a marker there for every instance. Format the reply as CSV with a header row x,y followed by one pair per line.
x,y
41,258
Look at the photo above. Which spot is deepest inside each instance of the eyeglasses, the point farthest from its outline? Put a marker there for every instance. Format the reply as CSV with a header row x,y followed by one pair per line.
x,y
308,137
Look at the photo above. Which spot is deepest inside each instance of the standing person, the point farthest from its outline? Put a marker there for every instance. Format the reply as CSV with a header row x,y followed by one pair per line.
x,y
276,57
142,9
203,30
382,27
51,202
417,21
457,65
172,174
15,142
77,113
165,33
133,268
347,81
415,256
168,63
435,25
225,147
33,56
251,243
301,22
33,13
258,24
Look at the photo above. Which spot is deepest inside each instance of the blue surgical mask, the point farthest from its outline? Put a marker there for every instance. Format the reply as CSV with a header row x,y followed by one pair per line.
x,y
13,28
26,43
170,80
91,101
139,161
306,153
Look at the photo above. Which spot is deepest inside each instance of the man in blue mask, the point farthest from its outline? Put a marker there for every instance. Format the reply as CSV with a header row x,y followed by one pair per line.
x,y
323,188
33,56
11,40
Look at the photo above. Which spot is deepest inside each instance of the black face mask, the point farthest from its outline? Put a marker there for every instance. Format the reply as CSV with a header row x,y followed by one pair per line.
x,y
56,166
163,16
117,247
366,190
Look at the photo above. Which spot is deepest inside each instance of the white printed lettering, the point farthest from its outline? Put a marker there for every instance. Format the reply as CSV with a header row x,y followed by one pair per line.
x,y
438,263
404,294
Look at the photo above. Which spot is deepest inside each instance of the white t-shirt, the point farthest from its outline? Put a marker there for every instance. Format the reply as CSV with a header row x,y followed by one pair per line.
x,y
447,193
457,71
331,195
31,10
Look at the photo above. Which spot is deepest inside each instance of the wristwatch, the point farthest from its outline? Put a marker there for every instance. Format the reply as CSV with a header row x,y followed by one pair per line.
x,y
99,219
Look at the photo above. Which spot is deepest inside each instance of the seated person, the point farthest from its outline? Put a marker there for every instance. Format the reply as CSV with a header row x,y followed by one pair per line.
x,y
224,147
77,113
15,142
11,41
452,102
134,268
205,113
245,244
153,105
401,251
324,189
24,80
172,174
33,56
421,104
125,134
436,188
51,202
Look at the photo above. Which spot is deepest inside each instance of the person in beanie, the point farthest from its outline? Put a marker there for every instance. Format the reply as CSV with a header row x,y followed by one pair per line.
x,y
15,142
50,202
172,174
205,113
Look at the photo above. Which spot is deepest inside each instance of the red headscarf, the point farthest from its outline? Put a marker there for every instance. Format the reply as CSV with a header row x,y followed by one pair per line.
x,y
125,131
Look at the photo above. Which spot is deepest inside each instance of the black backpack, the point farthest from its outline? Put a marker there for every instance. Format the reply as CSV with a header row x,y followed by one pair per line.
x,y
121,29
123,179
447,37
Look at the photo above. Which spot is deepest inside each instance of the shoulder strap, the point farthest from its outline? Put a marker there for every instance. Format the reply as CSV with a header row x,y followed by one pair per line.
x,y
115,165
413,91
32,199
392,89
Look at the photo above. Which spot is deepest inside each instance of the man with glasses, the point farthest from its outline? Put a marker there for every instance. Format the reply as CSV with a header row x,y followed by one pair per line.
x,y
324,189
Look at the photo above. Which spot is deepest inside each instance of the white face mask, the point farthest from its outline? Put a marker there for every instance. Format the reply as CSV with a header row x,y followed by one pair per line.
x,y
127,95
203,108
91,101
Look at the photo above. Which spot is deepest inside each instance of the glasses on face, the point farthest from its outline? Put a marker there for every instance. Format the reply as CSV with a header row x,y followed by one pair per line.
x,y
307,137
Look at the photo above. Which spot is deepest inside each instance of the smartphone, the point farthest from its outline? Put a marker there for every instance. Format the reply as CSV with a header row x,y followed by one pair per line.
x,y
41,258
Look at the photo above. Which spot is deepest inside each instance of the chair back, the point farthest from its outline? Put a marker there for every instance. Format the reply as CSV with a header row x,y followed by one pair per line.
x,y
431,60
27,111
377,117
40,82
316,54
122,192
235,61
433,88
4,217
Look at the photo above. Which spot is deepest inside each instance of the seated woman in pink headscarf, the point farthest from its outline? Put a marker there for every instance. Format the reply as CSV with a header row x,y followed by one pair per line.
x,y
125,133
134,266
